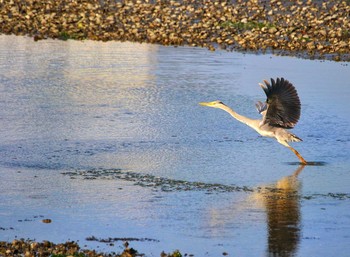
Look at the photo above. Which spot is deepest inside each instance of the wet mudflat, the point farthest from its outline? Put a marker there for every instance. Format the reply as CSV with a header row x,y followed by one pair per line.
x,y
107,141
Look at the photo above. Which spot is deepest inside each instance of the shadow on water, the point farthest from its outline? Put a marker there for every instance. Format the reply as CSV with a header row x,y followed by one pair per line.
x,y
281,202
311,163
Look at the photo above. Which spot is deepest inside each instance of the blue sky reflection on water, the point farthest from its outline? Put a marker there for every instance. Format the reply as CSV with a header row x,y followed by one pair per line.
x,y
93,106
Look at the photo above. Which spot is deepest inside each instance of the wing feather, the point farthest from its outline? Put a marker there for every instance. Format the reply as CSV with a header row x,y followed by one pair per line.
x,y
260,107
283,103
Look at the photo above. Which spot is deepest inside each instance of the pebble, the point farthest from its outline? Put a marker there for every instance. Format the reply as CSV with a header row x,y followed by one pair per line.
x,y
309,29
29,248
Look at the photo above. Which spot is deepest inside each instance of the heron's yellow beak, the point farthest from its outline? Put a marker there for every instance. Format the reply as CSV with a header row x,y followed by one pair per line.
x,y
210,104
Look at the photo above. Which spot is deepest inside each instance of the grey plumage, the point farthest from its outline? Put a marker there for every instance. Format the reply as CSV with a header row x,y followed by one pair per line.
x,y
261,107
280,112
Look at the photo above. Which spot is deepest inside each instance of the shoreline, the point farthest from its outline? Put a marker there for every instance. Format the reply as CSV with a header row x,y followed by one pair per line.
x,y
32,248
306,29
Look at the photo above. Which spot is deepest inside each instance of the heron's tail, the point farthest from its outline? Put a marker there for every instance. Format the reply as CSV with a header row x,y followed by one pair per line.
x,y
294,138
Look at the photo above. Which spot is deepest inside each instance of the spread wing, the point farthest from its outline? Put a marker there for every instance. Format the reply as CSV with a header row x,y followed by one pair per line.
x,y
283,104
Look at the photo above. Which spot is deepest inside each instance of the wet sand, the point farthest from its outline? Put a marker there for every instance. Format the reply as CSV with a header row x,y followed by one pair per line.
x,y
307,29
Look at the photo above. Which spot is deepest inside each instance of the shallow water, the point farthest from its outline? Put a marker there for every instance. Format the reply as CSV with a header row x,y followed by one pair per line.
x,y
108,140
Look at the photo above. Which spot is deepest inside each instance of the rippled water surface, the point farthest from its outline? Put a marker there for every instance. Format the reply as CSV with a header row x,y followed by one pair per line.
x,y
108,140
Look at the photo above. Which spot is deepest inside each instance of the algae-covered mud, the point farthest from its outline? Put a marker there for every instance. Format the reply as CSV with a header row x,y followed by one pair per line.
x,y
309,29
104,142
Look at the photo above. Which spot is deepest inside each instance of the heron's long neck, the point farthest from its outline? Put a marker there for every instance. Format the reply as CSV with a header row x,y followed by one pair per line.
x,y
250,122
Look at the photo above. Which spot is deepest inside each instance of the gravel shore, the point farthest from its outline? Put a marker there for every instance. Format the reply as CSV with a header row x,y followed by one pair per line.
x,y
308,29
29,248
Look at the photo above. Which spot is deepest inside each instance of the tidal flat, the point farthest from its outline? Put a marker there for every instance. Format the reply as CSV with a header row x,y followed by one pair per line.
x,y
106,140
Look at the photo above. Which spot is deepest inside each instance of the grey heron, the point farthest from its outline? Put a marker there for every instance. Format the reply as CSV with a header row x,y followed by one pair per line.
x,y
280,112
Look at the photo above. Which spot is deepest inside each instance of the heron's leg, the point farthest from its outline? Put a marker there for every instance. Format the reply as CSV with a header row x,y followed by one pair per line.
x,y
302,160
298,171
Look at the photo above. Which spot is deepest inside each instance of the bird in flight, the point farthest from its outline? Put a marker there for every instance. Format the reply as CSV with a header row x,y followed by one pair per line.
x,y
280,112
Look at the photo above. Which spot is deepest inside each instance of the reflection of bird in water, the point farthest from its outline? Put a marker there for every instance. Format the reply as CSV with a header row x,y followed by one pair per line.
x,y
280,112
281,202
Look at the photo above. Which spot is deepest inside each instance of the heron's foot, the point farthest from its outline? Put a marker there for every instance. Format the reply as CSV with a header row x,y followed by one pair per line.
x,y
302,161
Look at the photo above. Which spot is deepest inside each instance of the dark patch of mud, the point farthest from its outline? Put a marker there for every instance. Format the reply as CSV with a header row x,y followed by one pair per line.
x,y
174,185
4,229
163,184
123,239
